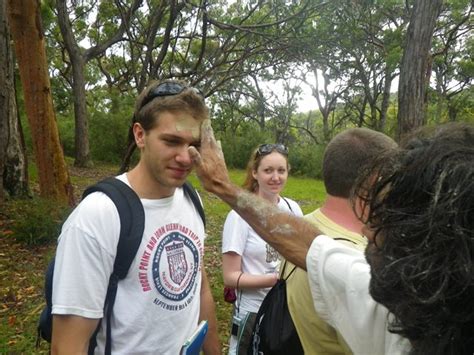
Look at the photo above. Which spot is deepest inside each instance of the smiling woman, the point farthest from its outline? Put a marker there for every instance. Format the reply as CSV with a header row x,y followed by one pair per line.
x,y
249,263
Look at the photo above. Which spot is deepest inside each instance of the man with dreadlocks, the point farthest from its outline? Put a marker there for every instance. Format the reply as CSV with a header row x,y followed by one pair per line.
x,y
417,277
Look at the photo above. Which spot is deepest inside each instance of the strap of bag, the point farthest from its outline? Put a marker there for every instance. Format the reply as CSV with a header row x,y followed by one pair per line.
x,y
191,192
289,206
283,270
284,265
132,223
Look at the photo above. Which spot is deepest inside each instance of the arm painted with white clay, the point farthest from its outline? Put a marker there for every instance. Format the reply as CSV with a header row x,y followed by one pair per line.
x,y
291,236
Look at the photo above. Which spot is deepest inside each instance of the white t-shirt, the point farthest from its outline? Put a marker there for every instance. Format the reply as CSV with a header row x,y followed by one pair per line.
x,y
158,303
339,280
258,257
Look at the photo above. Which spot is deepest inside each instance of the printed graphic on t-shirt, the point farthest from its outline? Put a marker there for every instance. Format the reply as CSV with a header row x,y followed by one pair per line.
x,y
170,265
272,255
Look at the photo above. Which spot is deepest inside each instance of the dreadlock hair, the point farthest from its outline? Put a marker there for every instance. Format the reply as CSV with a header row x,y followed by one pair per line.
x,y
419,201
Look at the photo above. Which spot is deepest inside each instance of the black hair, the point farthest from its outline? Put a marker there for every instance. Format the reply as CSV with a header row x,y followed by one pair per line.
x,y
419,201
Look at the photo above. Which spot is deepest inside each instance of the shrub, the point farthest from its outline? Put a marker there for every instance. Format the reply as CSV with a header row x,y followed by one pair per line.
x,y
108,136
38,221
237,148
307,160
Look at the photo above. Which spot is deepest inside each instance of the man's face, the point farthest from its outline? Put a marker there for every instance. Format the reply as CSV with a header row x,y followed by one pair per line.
x,y
164,149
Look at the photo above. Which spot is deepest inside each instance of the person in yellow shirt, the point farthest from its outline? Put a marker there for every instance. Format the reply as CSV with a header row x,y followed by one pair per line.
x,y
344,157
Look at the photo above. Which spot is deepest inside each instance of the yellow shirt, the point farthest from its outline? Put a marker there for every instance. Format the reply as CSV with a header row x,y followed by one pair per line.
x,y
316,336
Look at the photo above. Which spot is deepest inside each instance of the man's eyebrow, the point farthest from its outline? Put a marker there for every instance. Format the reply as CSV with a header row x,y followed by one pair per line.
x,y
178,138
172,136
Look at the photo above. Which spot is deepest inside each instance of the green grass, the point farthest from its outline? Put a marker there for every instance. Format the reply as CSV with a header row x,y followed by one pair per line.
x,y
21,267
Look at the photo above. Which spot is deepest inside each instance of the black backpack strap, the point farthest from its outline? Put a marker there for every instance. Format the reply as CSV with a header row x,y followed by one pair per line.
x,y
132,224
283,271
191,192
289,206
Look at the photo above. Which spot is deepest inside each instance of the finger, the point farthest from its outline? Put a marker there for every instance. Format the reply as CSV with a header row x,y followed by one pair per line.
x,y
207,134
220,153
195,156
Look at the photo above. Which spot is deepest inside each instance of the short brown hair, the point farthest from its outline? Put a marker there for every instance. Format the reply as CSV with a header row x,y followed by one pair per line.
x,y
347,153
188,101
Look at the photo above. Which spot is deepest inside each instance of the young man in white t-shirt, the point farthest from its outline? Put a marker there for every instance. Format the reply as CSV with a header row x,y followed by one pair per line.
x,y
166,291
418,212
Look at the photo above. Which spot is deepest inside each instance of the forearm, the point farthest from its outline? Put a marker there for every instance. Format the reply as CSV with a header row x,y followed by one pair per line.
x,y
211,344
291,236
246,280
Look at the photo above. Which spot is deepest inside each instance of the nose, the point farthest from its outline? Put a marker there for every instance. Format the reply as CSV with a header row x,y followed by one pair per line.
x,y
183,157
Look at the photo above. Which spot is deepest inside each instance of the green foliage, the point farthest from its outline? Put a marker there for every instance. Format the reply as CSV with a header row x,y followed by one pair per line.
x,y
306,160
66,134
38,221
237,148
108,136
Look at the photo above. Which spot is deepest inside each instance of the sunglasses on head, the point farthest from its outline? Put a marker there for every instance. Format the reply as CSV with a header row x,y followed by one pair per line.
x,y
168,89
264,149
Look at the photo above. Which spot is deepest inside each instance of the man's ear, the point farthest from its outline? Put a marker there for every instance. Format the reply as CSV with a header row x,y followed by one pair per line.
x,y
139,134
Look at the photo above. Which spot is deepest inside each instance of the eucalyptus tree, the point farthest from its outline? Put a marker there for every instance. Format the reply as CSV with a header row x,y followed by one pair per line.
x,y
415,67
105,33
215,45
27,34
207,43
453,59
13,162
353,50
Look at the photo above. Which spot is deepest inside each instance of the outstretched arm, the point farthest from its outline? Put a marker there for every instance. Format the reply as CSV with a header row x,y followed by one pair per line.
x,y
289,235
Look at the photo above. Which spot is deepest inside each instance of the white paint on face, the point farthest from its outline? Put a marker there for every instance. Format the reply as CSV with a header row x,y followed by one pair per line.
x,y
186,122
164,152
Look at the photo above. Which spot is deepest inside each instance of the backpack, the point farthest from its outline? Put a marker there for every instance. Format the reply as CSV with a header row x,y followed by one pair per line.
x,y
132,222
274,331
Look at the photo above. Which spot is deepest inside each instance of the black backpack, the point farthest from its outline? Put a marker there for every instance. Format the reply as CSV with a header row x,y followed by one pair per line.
x,y
274,331
132,222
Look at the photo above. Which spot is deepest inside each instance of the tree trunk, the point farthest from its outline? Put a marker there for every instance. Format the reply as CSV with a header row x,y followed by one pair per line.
x,y
79,58
78,62
81,137
13,163
385,100
26,27
415,66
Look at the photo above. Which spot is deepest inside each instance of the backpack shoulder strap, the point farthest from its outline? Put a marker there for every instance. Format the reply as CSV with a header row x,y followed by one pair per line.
x,y
132,224
132,220
289,206
191,192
